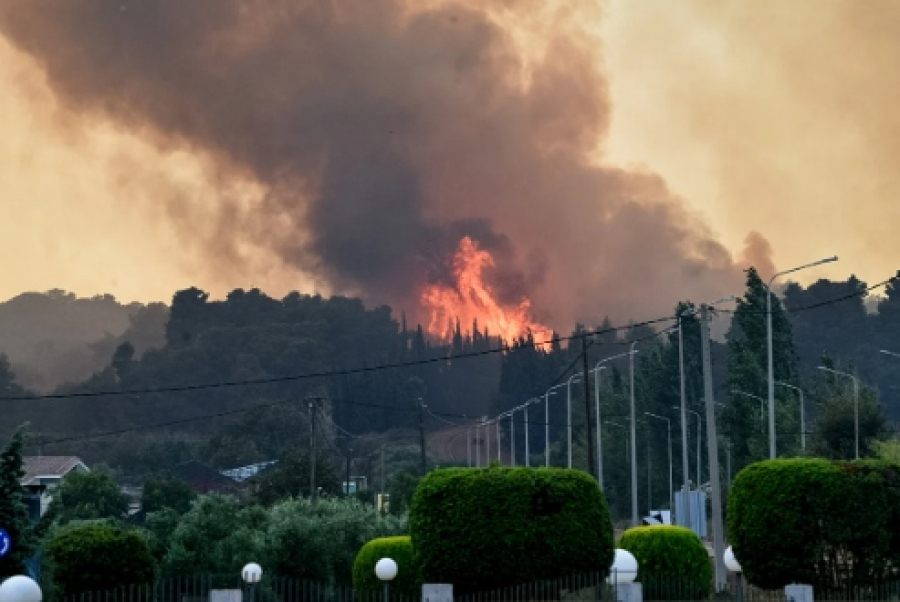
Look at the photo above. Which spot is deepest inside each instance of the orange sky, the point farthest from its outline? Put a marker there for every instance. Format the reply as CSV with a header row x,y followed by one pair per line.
x,y
763,115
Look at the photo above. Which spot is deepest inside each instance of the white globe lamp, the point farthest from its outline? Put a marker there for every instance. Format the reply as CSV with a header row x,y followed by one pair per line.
x,y
20,589
731,562
624,568
251,573
386,570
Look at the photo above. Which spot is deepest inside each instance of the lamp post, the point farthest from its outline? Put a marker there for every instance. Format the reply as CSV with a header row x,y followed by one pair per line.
x,y
699,435
669,434
596,372
569,412
855,404
386,570
802,413
732,564
547,395
512,437
634,495
251,574
497,427
762,405
771,363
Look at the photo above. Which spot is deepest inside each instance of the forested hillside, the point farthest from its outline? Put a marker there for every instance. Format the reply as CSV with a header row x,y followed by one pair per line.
x,y
229,382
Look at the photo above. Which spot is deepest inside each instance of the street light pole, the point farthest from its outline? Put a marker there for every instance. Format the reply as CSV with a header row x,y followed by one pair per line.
x,y
634,493
855,404
512,437
685,495
802,413
712,445
669,434
597,368
771,361
762,404
547,395
569,413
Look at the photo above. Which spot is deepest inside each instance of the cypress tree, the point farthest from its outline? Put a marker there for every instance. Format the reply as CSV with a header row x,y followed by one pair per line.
x,y
13,511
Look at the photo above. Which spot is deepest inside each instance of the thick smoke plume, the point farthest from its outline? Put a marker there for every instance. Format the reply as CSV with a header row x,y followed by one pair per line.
x,y
381,132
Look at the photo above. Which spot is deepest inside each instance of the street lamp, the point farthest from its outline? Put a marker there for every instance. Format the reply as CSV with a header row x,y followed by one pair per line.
x,y
386,570
762,405
771,364
525,410
20,588
802,413
547,395
252,573
732,564
669,432
596,372
699,436
855,404
569,412
634,495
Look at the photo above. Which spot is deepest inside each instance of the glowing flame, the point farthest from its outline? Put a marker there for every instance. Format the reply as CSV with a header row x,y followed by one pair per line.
x,y
471,298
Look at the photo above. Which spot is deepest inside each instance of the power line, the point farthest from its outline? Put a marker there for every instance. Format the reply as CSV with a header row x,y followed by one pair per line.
x,y
328,373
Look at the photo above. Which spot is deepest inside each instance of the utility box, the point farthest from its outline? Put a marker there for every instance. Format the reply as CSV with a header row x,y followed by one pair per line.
x,y
437,592
225,595
694,515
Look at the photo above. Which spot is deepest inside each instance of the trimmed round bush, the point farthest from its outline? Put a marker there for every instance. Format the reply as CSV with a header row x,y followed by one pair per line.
x,y
400,550
482,529
98,557
673,563
828,524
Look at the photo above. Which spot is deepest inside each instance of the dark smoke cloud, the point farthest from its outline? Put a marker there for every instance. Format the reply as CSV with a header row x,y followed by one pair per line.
x,y
383,133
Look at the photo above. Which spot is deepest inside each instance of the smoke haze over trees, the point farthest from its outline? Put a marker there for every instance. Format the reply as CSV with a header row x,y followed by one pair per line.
x,y
360,142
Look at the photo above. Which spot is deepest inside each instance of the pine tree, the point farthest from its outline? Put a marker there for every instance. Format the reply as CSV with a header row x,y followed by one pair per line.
x,y
13,512
747,372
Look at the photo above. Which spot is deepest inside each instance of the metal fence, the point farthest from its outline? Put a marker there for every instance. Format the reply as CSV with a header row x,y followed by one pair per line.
x,y
231,588
581,588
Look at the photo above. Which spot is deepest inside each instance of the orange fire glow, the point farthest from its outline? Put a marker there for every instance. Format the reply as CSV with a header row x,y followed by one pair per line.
x,y
471,298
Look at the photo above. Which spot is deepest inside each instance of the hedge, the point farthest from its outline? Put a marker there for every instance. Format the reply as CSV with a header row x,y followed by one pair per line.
x,y
673,563
97,557
408,583
481,529
828,524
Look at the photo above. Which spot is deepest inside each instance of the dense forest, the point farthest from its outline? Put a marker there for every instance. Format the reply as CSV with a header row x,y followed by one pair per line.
x,y
230,382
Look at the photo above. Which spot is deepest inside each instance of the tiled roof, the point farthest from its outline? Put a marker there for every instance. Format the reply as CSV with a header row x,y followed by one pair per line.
x,y
48,466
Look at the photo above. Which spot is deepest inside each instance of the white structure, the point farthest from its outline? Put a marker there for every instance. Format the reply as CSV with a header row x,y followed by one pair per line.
x,y
622,574
43,474
251,573
795,593
20,589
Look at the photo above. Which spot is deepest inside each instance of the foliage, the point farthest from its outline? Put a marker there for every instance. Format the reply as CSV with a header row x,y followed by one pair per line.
x,y
290,478
747,373
408,581
402,490
673,563
217,535
320,542
13,511
294,538
887,450
813,521
87,496
166,492
489,528
94,557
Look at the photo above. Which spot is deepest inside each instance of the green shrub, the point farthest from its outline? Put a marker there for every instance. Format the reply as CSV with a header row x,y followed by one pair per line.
x,y
831,525
97,557
673,563
481,529
407,583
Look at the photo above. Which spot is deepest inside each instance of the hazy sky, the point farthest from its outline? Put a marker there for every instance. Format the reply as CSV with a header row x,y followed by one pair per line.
x,y
774,117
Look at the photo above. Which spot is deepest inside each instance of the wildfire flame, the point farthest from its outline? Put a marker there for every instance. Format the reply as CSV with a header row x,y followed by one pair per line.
x,y
470,298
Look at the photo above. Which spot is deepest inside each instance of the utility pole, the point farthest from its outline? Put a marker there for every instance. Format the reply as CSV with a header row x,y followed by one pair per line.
x,y
635,521
422,434
587,407
349,456
712,444
313,493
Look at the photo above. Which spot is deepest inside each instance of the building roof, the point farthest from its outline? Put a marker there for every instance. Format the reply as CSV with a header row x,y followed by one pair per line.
x,y
37,467
203,479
